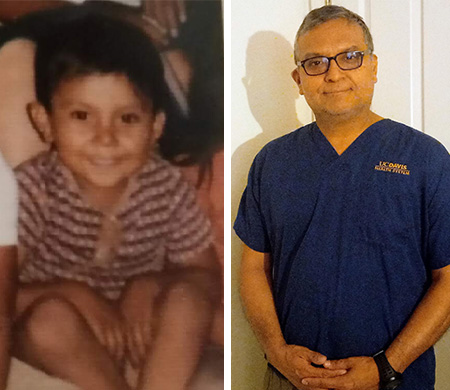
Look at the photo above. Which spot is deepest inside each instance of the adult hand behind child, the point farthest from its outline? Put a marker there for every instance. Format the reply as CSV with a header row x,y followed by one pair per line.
x,y
166,15
137,306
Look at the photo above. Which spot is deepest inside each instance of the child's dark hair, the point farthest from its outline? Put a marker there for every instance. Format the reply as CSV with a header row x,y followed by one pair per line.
x,y
185,141
92,43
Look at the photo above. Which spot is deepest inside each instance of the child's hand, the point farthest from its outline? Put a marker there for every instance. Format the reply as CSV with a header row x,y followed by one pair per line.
x,y
104,320
137,305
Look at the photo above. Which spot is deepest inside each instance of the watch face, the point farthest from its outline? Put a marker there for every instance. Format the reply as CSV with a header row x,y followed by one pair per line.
x,y
393,384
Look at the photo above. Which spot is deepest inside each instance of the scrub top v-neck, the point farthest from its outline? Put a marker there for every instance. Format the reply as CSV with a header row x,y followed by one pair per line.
x,y
353,237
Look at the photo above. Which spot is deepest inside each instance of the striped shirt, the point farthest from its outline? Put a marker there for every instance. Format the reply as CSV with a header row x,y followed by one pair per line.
x,y
60,233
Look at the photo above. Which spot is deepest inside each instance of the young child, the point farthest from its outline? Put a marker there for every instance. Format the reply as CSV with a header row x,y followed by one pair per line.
x,y
116,257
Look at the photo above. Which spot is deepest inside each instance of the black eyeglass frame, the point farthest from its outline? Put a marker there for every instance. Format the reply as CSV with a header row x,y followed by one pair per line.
x,y
362,52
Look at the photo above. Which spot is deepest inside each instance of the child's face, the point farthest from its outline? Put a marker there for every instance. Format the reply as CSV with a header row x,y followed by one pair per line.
x,y
102,130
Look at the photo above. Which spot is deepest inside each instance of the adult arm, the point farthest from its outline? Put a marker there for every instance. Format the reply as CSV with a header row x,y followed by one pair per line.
x,y
294,362
8,286
10,10
427,324
203,271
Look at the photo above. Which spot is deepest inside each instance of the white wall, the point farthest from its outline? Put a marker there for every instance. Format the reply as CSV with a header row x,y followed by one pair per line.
x,y
263,106
436,78
410,39
436,113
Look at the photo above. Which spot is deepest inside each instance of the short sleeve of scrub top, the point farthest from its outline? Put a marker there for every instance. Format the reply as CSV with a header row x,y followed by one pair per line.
x,y
438,240
250,225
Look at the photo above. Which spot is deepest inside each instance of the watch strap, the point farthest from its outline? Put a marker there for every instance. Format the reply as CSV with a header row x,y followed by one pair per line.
x,y
387,374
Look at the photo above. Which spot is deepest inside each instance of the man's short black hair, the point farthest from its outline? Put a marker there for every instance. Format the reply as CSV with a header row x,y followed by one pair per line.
x,y
92,43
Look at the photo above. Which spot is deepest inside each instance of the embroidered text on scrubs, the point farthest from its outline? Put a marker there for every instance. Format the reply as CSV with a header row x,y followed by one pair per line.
x,y
392,167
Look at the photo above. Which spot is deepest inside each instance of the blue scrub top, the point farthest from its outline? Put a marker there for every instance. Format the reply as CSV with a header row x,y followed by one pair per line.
x,y
353,237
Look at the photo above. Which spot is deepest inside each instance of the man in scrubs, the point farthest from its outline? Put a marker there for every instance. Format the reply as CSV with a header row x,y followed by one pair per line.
x,y
346,230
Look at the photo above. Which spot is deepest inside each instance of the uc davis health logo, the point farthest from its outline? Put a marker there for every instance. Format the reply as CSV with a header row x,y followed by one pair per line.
x,y
386,166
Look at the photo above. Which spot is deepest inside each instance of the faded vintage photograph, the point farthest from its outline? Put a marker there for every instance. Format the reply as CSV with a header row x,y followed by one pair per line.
x,y
111,195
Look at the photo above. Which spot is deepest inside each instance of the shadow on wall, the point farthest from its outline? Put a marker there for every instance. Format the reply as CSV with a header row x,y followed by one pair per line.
x,y
271,94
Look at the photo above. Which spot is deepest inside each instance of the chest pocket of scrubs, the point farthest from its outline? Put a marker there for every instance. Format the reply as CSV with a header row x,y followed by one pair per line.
x,y
388,211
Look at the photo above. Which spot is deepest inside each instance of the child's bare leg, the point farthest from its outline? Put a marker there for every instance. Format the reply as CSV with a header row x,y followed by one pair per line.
x,y
183,326
51,335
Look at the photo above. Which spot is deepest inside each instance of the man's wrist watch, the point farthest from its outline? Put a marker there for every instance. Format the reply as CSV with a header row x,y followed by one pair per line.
x,y
389,378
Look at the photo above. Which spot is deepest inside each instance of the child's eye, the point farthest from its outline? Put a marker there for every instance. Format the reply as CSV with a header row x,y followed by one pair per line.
x,y
79,115
130,118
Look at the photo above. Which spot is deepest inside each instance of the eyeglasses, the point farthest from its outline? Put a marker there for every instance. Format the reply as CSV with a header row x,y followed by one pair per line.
x,y
347,60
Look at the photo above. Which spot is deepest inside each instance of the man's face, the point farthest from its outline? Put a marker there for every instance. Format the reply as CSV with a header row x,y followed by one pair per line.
x,y
337,92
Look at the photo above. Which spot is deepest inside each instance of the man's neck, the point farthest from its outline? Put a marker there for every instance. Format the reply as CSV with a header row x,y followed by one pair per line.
x,y
341,131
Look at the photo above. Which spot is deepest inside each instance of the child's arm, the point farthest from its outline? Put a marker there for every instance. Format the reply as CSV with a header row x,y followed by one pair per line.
x,y
8,287
137,307
203,270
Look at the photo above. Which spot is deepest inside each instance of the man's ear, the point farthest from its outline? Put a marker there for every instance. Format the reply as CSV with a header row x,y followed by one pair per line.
x,y
40,121
296,76
375,67
158,124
